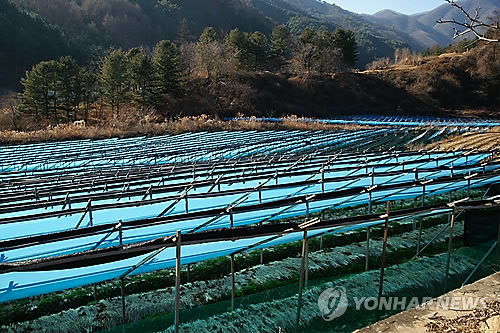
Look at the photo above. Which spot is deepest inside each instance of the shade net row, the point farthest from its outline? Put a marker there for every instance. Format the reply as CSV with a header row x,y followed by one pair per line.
x,y
468,124
35,277
187,147
248,200
82,212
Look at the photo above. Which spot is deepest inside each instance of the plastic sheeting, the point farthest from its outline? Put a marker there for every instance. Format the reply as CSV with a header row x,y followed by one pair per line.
x,y
16,285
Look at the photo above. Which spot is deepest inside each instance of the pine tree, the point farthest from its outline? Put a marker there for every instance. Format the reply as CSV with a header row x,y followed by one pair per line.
x,y
69,86
113,79
39,96
281,43
53,90
239,41
167,64
88,81
257,51
345,40
140,78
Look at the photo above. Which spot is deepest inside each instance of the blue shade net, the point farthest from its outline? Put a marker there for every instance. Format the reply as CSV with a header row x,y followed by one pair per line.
x,y
242,196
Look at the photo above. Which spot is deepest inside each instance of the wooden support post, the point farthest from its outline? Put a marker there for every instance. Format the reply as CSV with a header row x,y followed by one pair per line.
x,y
120,231
306,278
419,238
186,203
231,218
301,281
368,231
420,220
260,195
307,210
423,194
90,213
323,180
233,283
367,258
122,287
450,244
321,242
177,280
468,184
415,204
498,247
384,250
261,252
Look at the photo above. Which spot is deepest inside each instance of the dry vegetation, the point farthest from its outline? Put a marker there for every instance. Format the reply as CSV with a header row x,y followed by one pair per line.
x,y
121,128
448,85
480,320
485,141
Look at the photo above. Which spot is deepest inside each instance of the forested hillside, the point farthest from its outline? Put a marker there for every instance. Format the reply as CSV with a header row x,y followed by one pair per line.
x,y
375,40
34,30
25,39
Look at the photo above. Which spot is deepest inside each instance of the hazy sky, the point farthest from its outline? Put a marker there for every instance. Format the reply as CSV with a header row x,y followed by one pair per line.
x,y
373,6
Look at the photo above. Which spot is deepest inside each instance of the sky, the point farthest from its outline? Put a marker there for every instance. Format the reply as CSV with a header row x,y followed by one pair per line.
x,y
373,6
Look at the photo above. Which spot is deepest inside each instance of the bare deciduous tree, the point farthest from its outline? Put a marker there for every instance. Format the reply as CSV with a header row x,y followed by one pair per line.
x,y
473,24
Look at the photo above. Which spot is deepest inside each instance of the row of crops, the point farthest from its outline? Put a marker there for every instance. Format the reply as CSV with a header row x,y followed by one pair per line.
x,y
83,212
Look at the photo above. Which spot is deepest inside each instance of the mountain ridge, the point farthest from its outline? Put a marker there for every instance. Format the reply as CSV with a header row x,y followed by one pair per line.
x,y
424,28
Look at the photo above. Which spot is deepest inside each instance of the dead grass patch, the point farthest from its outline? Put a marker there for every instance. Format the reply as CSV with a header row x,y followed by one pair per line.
x,y
115,128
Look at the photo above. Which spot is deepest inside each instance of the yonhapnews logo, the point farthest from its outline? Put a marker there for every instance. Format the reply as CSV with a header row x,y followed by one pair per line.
x,y
333,303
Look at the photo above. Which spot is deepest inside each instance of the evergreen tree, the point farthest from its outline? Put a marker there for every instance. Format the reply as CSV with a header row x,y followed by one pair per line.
x,y
69,86
257,51
281,43
345,40
88,81
53,90
140,77
167,64
239,42
113,79
39,96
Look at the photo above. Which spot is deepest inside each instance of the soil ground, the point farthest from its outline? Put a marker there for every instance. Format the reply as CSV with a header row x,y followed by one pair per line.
x,y
457,319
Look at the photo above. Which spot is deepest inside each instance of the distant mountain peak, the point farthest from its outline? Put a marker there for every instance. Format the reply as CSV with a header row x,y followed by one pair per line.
x,y
387,12
423,27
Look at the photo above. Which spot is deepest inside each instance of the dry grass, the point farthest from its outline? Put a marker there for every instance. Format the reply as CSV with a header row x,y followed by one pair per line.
x,y
487,141
141,128
480,320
